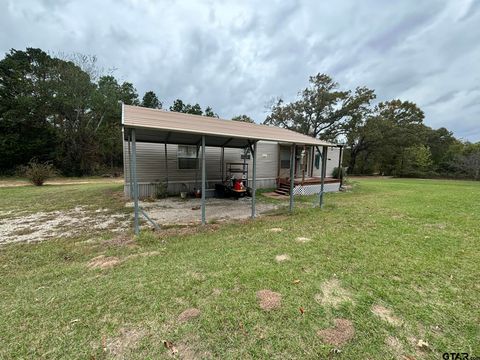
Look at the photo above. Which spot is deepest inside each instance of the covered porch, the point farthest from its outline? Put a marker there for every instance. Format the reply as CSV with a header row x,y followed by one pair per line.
x,y
163,127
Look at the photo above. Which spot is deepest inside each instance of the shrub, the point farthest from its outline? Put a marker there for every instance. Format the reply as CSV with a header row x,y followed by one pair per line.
x,y
339,172
161,189
37,172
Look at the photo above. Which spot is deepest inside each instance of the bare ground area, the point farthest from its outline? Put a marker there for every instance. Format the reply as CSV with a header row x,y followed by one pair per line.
x,y
176,211
7,182
17,227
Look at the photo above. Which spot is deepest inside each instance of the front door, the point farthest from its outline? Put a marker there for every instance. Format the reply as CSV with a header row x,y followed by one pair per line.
x,y
284,163
302,162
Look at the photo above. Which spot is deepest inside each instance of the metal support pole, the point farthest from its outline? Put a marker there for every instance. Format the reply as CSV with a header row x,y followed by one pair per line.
x,y
340,163
204,221
129,140
135,184
166,167
324,170
254,179
292,175
222,162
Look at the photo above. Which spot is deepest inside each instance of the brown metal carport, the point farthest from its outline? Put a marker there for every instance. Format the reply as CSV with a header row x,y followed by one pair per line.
x,y
160,126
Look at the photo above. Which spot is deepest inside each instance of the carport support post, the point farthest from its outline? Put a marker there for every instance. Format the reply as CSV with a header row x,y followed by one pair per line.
x,y
292,174
129,141
135,185
254,179
324,170
204,221
340,168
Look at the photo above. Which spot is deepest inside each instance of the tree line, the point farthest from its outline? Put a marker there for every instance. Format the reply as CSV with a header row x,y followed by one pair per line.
x,y
65,110
388,138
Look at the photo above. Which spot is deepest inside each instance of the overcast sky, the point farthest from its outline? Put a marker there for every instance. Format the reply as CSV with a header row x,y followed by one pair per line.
x,y
236,56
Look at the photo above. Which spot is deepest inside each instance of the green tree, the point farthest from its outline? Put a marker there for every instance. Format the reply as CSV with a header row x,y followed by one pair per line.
x,y
416,161
25,105
466,162
107,127
209,112
243,118
150,100
179,106
321,109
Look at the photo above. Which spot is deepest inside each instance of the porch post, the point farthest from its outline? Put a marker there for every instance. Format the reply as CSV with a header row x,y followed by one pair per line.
x,y
204,221
292,175
324,170
166,166
222,162
135,184
254,179
129,140
340,168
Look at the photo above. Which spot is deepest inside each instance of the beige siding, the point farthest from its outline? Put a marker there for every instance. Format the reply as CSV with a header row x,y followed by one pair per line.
x,y
151,165
332,162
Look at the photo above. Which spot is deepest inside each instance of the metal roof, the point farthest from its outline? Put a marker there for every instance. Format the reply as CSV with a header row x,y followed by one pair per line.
x,y
160,126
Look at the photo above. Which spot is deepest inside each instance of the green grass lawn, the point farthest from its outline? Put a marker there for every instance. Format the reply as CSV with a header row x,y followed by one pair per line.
x,y
408,247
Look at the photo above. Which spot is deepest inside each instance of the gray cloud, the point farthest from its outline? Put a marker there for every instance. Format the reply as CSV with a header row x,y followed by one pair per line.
x,y
236,56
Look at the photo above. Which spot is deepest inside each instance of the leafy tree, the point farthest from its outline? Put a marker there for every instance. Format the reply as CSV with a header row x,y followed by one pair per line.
x,y
321,109
25,106
440,142
467,162
243,118
150,100
50,109
108,112
180,106
416,161
193,109
209,112
379,143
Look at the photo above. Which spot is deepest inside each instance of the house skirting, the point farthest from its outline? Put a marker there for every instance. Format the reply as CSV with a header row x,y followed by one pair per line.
x,y
310,189
149,189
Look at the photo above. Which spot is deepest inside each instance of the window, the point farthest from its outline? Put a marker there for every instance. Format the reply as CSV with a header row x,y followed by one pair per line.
x,y
187,157
284,158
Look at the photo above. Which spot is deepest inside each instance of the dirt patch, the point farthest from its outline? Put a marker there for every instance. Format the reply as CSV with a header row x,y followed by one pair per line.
x,y
341,333
143,254
176,211
276,230
188,315
269,300
55,224
386,315
441,226
189,348
125,342
274,195
302,239
103,262
196,275
216,292
333,294
281,258
120,240
395,345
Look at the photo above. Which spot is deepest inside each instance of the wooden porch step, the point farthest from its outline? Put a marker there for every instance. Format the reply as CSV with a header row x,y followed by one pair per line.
x,y
282,191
